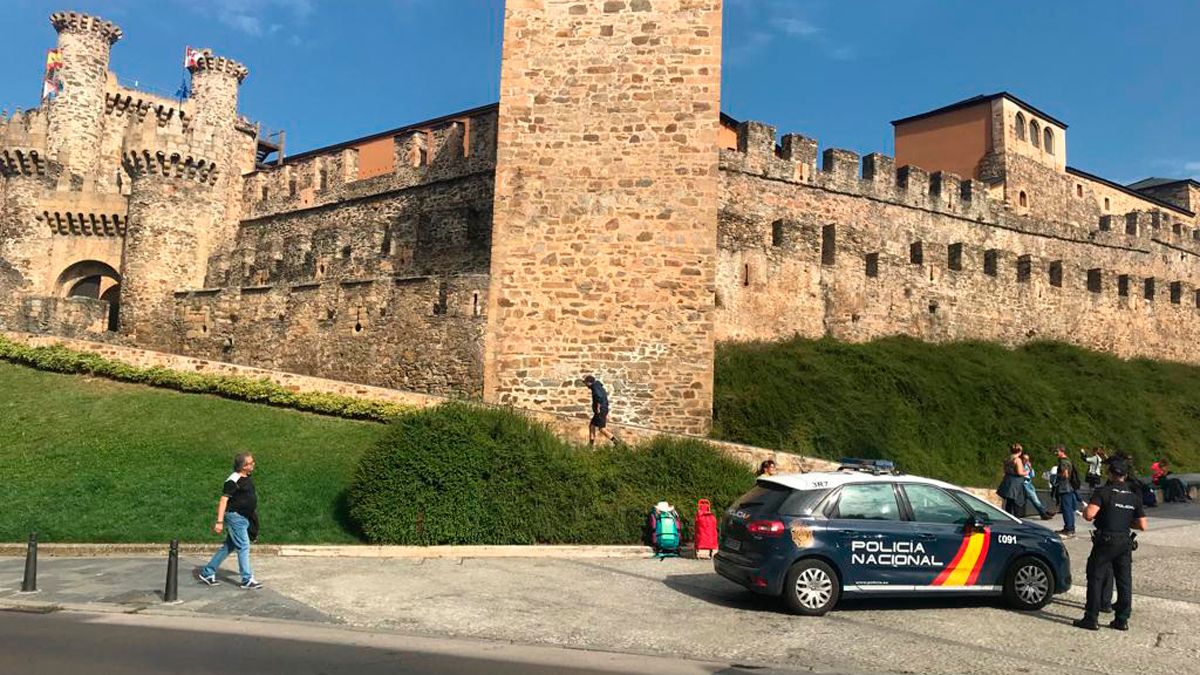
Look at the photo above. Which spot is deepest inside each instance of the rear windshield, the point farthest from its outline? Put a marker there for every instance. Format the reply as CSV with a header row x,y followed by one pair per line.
x,y
764,497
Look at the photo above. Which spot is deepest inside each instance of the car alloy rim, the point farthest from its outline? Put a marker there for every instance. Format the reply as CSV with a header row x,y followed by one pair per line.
x,y
814,588
1032,584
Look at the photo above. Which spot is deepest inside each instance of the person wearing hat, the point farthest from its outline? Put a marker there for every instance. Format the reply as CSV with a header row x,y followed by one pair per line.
x,y
1114,508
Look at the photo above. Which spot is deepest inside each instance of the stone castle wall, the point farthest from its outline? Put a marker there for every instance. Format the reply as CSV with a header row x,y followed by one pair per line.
x,y
859,253
605,226
420,334
381,280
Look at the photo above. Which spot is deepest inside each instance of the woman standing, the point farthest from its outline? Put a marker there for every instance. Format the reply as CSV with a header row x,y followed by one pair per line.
x,y
1012,486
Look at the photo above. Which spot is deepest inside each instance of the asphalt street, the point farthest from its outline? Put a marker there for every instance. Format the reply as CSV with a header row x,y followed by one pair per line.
x,y
58,643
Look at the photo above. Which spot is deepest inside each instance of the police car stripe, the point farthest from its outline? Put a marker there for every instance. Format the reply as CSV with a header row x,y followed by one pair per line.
x,y
987,538
963,570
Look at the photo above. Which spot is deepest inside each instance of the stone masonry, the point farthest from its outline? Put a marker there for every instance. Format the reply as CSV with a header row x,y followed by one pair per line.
x,y
603,218
604,239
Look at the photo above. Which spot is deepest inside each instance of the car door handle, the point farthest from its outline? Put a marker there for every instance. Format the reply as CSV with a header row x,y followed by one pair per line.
x,y
925,536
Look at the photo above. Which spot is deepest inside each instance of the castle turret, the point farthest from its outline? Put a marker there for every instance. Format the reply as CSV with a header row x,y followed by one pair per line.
x,y
76,113
170,214
215,83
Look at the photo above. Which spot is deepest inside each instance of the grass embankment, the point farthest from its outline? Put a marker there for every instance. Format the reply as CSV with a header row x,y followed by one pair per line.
x,y
90,460
85,459
950,411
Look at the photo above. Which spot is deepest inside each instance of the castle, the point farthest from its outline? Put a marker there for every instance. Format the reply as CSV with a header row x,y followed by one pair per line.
x,y
603,217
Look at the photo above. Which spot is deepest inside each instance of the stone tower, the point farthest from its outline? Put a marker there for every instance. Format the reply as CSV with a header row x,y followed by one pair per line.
x,y
170,209
605,231
216,81
181,178
77,113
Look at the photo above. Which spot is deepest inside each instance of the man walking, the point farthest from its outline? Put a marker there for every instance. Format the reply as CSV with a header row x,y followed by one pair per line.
x,y
1065,486
1115,509
599,421
236,512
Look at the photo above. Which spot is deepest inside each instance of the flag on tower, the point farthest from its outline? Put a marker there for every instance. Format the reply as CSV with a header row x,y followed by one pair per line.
x,y
191,57
52,83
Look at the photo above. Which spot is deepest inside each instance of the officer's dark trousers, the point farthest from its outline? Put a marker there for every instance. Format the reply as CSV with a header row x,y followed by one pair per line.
x,y
1111,557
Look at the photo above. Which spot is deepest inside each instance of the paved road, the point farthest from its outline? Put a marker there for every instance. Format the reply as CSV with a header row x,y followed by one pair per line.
x,y
679,607
59,643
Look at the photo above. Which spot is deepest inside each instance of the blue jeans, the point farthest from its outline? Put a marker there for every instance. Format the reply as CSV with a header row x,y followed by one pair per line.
x,y
1070,502
237,538
1031,494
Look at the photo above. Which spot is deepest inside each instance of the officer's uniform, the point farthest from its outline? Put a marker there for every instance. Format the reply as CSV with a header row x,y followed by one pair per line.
x,y
1112,549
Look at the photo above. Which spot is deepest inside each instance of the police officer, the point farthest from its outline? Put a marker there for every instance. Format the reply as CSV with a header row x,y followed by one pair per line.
x,y
1115,509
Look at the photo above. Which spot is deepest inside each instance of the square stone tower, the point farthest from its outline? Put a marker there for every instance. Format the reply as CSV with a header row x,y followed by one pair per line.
x,y
605,230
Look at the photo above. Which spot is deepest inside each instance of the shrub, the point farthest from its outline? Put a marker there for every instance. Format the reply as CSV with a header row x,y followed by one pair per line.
x,y
59,359
462,474
950,410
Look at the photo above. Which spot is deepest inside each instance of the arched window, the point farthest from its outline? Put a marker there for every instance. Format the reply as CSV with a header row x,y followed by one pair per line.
x,y
1020,126
93,279
1048,141
1022,199
1035,132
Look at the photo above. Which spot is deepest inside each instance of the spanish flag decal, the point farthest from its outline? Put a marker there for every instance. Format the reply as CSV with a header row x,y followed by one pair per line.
x,y
964,569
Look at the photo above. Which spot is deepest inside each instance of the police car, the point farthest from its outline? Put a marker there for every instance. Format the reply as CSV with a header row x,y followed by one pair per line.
x,y
865,531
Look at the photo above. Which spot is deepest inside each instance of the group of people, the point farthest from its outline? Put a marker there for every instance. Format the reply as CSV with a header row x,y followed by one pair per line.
x,y
1017,488
1116,507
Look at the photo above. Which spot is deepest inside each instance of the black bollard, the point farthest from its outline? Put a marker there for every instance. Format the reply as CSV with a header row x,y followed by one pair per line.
x,y
29,584
171,594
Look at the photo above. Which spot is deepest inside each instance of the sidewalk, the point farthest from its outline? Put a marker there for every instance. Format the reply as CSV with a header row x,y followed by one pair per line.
x,y
673,607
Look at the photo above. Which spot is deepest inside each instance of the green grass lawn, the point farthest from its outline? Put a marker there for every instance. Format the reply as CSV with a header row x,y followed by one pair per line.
x,y
91,460
951,410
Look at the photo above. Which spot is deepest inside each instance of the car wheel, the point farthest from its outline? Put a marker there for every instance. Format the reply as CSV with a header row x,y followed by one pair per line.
x,y
1029,584
811,588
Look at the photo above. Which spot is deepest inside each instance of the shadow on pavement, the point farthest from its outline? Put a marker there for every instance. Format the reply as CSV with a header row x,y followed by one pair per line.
x,y
715,590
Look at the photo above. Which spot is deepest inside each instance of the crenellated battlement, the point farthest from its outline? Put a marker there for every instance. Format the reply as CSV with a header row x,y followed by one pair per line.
x,y
170,165
132,105
874,176
74,22
26,129
22,162
452,148
207,62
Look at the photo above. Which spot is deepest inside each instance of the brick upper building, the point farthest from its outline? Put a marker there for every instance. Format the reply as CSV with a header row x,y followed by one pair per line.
x,y
603,217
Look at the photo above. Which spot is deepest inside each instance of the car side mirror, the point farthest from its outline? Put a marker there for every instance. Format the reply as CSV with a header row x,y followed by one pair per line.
x,y
980,520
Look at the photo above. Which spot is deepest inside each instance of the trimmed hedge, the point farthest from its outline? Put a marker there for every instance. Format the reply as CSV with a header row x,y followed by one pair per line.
x,y
463,474
60,359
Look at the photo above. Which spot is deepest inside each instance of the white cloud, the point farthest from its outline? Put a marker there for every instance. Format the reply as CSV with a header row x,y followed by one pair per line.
x,y
793,25
255,17
785,19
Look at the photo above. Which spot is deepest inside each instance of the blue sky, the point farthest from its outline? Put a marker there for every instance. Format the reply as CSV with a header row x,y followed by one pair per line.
x,y
1120,73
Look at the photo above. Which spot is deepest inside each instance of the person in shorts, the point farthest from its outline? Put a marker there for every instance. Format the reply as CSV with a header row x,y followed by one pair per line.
x,y
599,422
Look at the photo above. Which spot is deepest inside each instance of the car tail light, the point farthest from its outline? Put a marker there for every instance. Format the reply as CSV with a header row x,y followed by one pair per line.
x,y
766,528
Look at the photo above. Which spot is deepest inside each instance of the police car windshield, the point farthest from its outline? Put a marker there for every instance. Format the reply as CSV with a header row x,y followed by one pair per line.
x,y
994,514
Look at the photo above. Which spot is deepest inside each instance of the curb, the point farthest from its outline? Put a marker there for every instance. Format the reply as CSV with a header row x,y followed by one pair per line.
x,y
316,551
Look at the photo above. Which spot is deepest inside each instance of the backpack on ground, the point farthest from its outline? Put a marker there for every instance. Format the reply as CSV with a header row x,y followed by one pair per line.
x,y
1149,498
667,533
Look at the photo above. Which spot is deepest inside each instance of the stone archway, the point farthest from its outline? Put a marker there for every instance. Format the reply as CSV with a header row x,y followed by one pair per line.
x,y
93,279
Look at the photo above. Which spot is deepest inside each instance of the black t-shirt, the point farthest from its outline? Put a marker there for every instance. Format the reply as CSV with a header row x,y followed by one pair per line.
x,y
599,395
242,498
1119,507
